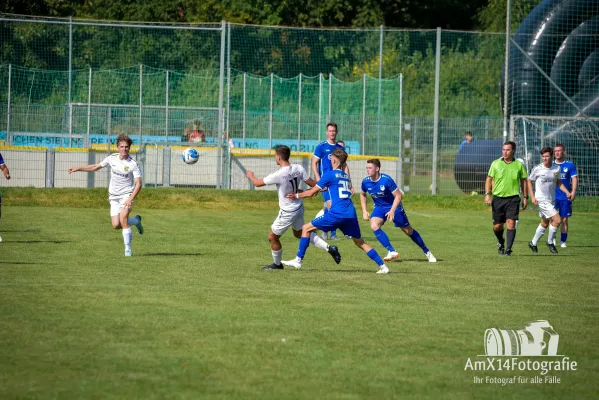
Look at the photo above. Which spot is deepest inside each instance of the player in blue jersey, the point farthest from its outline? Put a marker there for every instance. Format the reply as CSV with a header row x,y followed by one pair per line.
x,y
321,163
387,207
569,177
6,173
342,214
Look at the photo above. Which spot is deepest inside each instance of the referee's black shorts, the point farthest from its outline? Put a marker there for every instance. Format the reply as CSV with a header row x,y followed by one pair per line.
x,y
505,208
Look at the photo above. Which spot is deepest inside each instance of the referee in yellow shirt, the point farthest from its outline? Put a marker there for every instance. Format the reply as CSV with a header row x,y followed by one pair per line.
x,y
507,177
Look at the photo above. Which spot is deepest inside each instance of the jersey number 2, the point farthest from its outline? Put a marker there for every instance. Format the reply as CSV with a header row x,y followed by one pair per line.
x,y
344,190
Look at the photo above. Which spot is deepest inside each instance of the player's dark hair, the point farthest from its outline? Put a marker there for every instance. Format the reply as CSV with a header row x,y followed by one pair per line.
x,y
547,150
511,144
333,125
340,155
124,138
283,151
561,145
341,143
468,133
374,161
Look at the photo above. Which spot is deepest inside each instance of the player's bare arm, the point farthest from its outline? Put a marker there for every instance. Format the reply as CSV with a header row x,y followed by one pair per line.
x,y
533,199
5,171
129,202
524,188
86,168
563,188
308,193
255,181
315,161
488,190
363,201
574,187
311,182
397,199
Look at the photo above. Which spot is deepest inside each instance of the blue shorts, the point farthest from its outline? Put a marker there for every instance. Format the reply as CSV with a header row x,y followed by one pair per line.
x,y
328,222
564,207
400,219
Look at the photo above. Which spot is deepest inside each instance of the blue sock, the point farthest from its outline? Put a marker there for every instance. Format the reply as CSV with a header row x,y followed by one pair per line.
x,y
416,238
374,256
334,233
303,246
383,239
564,237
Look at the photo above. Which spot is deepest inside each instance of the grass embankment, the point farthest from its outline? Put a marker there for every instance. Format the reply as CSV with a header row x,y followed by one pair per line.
x,y
206,199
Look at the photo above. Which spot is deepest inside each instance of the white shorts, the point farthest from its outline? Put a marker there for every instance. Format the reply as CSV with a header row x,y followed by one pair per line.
x,y
286,219
546,209
116,205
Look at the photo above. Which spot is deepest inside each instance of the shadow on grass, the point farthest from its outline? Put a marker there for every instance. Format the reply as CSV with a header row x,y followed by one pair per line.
x,y
168,254
20,230
38,241
22,263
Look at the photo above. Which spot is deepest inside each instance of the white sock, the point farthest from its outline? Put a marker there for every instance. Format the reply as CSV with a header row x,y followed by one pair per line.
x,y
538,234
133,221
552,233
277,256
318,242
127,237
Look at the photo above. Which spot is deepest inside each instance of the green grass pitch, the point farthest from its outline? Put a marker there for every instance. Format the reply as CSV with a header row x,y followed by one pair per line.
x,y
191,315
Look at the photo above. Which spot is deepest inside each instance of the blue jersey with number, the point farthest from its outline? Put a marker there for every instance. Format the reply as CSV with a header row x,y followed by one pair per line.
x,y
323,151
380,190
566,171
338,185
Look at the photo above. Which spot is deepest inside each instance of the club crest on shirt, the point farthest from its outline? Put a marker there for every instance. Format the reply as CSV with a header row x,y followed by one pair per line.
x,y
382,187
565,169
126,169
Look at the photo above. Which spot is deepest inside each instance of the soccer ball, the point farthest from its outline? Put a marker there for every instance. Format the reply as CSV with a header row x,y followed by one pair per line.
x,y
190,156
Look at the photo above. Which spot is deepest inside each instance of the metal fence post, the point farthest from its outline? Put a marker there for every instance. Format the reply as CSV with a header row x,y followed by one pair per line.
x,y
436,117
299,113
330,97
70,81
166,162
219,143
399,174
8,134
506,80
89,108
166,111
272,78
50,168
141,85
363,113
228,78
379,120
318,129
244,110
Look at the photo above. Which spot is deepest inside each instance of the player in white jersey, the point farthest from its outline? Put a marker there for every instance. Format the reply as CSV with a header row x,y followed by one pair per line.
x,y
546,178
291,213
125,184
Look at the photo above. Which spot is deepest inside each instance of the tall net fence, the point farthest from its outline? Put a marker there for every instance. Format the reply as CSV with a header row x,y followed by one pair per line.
x,y
581,141
552,84
79,83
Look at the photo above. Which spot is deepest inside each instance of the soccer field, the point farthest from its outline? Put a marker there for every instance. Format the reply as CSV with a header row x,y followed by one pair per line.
x,y
191,315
